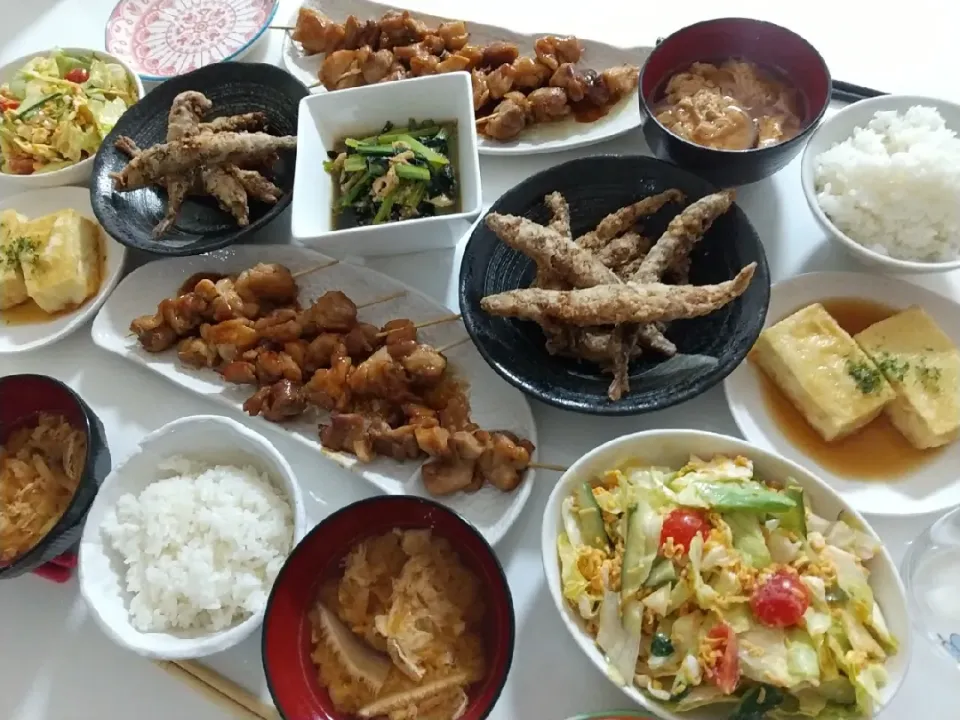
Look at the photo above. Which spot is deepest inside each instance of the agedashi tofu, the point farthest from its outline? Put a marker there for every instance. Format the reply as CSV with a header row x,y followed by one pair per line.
x,y
13,290
822,370
61,265
923,366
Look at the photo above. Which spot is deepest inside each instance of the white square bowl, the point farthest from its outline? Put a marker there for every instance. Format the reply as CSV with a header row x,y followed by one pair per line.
x,y
328,117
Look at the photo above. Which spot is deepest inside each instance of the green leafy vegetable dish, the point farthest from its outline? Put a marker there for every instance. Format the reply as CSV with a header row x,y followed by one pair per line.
x,y
705,585
58,109
398,174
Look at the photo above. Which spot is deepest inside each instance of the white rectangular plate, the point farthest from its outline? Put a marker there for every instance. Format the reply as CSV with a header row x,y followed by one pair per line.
x,y
541,138
496,405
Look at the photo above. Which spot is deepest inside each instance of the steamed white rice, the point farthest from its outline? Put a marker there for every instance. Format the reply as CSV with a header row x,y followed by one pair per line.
x,y
894,186
202,546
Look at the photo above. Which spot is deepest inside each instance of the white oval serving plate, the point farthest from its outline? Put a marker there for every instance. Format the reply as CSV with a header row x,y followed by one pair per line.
x,y
673,448
541,138
928,488
16,338
496,405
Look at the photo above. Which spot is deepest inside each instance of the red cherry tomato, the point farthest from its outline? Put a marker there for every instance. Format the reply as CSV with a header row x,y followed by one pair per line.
x,y
681,525
19,165
781,601
8,103
77,75
725,672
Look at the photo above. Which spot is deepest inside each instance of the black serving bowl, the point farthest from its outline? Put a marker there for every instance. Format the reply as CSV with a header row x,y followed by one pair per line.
x,y
710,347
22,399
233,88
763,43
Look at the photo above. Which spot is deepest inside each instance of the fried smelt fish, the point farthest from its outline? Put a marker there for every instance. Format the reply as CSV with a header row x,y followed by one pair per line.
x,y
619,304
619,222
246,122
205,149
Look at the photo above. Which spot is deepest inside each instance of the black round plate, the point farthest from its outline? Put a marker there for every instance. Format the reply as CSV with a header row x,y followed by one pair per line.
x,y
710,347
233,88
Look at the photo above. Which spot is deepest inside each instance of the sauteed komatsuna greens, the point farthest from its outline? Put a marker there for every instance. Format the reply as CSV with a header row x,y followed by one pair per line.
x,y
397,174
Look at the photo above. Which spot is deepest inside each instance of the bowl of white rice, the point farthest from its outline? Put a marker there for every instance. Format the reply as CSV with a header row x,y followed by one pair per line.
x,y
186,537
882,177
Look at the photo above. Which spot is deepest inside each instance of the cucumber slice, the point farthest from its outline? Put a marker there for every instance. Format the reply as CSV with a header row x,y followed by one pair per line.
x,y
663,572
591,521
794,519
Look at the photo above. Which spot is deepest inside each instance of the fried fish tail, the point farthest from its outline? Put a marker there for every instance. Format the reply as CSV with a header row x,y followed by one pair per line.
x,y
256,185
247,122
228,191
623,219
619,304
177,190
560,223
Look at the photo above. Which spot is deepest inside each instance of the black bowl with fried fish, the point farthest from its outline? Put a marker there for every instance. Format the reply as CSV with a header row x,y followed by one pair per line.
x,y
710,329
24,400
267,95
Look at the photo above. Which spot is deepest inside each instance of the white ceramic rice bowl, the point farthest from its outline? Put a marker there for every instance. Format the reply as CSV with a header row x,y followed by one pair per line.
x,y
673,448
206,438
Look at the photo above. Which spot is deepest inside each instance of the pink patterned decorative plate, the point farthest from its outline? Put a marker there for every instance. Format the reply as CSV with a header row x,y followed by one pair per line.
x,y
161,39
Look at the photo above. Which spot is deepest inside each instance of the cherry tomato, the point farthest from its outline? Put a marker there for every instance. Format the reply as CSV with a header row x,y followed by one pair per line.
x,y
681,525
77,75
781,600
19,165
8,103
725,672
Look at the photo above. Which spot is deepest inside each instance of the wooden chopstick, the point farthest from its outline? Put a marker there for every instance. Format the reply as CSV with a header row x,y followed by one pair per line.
x,y
226,693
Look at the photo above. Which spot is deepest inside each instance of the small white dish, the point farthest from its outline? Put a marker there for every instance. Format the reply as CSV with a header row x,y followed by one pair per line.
x,y
16,338
328,118
79,173
541,138
837,128
208,438
930,487
673,448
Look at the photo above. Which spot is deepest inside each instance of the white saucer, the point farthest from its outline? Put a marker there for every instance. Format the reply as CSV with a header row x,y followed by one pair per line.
x,y
928,488
34,204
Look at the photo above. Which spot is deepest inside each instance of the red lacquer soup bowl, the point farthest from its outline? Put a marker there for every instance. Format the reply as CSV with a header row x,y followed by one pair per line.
x,y
291,675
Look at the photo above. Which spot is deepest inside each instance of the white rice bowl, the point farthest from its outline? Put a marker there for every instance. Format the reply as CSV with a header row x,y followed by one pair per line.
x,y
893,186
201,546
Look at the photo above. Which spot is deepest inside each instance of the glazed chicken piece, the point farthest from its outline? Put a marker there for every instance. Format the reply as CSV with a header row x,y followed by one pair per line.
x,y
273,366
267,282
230,338
552,50
570,79
278,402
621,79
499,53
153,334
454,34
348,432
453,63
529,73
398,331
506,121
423,64
183,314
481,93
381,376
398,28
341,69
500,81
376,66
317,33
548,104
362,340
224,301
195,352
423,363
360,33
322,350
504,460
473,54
240,372
280,326
333,312
329,388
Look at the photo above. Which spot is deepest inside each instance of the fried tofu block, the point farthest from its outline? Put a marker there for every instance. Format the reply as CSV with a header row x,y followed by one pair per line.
x,y
823,372
13,290
61,266
923,366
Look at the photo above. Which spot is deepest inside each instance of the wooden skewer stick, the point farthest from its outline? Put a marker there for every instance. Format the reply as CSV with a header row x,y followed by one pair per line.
x,y
445,348
429,323
241,702
385,298
288,28
548,466
314,269
314,85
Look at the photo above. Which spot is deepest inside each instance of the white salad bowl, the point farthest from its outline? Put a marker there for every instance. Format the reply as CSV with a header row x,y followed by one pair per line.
x,y
328,118
840,126
673,448
207,438
78,173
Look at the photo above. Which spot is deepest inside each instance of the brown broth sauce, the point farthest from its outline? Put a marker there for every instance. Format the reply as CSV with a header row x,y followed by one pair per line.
x,y
29,313
876,452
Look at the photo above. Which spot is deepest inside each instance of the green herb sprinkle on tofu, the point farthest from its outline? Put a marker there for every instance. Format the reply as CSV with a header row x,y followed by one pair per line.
x,y
867,377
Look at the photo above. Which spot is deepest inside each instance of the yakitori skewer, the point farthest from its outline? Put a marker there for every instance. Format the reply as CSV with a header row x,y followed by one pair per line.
x,y
314,269
385,298
420,326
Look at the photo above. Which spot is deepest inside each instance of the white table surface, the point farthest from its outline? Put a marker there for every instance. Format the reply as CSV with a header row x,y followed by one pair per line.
x,y
56,665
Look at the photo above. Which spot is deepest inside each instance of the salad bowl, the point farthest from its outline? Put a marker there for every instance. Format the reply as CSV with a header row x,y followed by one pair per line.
x,y
767,662
102,74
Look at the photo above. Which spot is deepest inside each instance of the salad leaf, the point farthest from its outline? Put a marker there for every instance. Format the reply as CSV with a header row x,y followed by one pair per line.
x,y
106,114
705,595
702,695
748,538
783,550
852,579
756,702
803,661
763,656
878,626
570,524
858,636
659,600
575,585
641,543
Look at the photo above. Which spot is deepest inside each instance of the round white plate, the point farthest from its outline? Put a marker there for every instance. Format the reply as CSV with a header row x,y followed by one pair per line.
x,y
928,488
542,138
35,204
